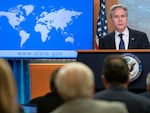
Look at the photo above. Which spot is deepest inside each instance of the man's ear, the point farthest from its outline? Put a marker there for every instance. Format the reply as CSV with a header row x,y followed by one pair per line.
x,y
104,81
147,87
128,82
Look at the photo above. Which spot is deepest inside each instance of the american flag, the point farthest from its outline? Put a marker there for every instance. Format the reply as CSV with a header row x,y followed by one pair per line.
x,y
101,23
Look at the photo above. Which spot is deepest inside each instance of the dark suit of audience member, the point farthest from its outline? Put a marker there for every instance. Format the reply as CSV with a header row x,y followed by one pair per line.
x,y
147,93
132,39
49,101
115,77
75,84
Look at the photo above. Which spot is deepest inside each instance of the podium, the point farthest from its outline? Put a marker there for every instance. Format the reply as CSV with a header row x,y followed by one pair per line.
x,y
95,59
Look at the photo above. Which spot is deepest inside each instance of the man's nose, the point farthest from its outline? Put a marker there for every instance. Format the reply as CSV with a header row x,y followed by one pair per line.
x,y
120,18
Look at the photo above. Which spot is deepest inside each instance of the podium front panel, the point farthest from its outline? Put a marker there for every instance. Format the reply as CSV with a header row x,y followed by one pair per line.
x,y
95,61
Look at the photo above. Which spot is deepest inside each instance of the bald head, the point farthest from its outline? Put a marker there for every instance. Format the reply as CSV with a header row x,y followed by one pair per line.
x,y
75,80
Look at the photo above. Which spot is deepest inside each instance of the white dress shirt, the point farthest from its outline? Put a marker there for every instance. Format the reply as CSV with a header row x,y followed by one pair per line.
x,y
125,38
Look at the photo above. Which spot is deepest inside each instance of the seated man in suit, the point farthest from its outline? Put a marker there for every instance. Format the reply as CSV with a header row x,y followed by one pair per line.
x,y
49,101
115,77
123,37
75,84
147,93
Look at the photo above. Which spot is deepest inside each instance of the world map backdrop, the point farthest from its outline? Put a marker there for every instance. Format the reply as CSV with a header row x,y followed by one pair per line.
x,y
39,26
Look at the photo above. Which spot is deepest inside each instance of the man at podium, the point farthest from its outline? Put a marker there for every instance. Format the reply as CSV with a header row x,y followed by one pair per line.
x,y
123,37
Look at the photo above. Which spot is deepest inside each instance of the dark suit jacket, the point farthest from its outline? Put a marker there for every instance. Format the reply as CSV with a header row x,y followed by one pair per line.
x,y
47,103
146,94
137,40
135,103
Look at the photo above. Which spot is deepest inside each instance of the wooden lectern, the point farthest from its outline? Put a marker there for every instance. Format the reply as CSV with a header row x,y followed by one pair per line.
x,y
94,59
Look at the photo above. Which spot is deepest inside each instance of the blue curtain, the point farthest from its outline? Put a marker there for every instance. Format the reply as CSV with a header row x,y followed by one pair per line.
x,y
21,71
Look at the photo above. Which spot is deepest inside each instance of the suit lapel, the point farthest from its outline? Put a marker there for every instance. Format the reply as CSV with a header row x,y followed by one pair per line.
x,y
112,40
131,39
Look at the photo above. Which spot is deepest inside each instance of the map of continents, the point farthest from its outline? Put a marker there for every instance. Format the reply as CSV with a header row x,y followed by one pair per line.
x,y
44,23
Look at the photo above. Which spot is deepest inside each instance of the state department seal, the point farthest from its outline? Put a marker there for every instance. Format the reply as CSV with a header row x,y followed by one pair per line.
x,y
134,64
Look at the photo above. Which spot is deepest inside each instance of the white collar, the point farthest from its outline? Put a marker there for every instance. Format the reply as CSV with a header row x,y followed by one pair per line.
x,y
125,32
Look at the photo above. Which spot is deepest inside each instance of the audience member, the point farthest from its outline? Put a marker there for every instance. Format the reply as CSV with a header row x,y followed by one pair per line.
x,y
8,91
123,37
49,101
75,84
116,79
147,93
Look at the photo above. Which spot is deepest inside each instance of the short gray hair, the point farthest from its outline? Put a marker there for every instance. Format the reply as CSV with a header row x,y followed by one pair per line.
x,y
118,6
75,80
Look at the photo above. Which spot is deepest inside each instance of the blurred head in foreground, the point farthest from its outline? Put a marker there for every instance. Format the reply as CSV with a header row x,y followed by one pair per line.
x,y
75,80
115,71
8,91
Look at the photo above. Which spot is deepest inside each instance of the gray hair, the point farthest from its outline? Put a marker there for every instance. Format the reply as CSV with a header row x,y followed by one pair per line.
x,y
75,80
118,6
148,79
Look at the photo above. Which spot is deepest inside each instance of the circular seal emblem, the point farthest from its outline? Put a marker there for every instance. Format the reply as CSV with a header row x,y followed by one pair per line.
x,y
134,64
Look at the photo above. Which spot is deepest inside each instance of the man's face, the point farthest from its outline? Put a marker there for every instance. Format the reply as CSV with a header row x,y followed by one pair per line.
x,y
119,19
